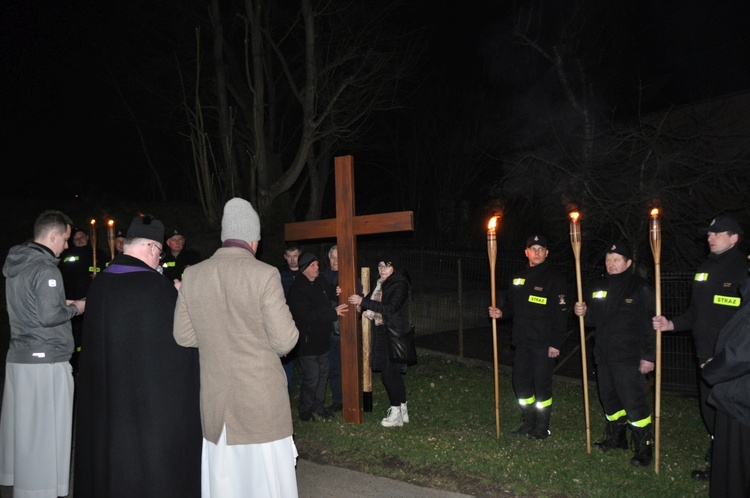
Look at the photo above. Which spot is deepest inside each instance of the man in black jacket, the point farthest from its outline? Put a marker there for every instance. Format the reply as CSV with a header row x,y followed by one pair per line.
x,y
714,300
536,303
309,301
621,307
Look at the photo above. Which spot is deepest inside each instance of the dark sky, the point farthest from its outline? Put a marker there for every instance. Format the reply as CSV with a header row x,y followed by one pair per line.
x,y
65,128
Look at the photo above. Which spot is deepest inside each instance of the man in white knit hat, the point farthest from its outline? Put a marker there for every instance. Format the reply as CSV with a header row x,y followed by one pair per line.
x,y
232,307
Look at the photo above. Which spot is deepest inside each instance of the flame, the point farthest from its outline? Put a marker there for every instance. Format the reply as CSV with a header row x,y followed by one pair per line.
x,y
111,223
655,213
493,223
93,222
574,216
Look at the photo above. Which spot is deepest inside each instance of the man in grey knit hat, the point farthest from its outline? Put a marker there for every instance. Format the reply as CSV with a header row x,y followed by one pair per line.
x,y
232,307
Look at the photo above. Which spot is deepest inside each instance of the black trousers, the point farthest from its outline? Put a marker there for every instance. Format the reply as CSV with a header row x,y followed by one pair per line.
x,y
532,373
622,387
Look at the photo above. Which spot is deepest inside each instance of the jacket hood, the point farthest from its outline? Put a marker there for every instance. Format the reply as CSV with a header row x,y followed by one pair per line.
x,y
20,256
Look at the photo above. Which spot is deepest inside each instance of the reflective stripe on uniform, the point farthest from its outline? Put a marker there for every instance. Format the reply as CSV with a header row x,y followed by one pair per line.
x,y
727,300
538,299
527,401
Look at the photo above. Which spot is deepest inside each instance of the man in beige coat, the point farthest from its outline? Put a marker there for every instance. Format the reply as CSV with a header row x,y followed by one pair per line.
x,y
232,308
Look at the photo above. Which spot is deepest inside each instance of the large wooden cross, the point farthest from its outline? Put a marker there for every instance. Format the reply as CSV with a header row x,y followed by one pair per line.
x,y
345,227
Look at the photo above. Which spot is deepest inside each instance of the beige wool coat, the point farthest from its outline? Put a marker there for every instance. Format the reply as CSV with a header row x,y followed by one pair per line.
x,y
232,308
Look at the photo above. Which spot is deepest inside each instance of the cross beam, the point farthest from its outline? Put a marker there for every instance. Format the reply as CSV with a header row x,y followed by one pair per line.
x,y
345,227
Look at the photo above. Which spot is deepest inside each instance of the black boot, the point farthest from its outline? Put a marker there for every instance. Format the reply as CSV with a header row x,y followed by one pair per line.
x,y
643,445
541,423
528,414
615,437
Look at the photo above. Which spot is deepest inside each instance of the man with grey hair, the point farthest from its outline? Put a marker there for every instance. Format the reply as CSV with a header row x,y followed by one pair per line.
x,y
232,308
37,415
138,416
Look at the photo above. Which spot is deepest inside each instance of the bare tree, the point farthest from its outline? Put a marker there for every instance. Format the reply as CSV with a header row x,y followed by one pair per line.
x,y
291,87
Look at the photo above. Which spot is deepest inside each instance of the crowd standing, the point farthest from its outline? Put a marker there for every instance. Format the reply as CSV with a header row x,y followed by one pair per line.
x,y
181,390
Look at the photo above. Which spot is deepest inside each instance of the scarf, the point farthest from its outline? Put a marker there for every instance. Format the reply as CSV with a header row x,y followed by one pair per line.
x,y
377,295
238,243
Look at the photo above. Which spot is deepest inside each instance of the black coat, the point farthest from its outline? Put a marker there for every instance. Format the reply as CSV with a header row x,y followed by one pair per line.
x,y
718,278
310,304
138,428
537,305
395,338
620,308
729,371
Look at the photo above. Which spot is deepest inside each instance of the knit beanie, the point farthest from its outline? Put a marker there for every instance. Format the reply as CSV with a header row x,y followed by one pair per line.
x,y
240,221
305,260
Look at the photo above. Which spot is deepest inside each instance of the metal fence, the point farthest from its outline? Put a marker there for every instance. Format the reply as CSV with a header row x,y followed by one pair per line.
x,y
451,294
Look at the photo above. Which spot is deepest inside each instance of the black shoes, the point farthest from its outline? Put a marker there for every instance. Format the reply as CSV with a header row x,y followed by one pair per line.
x,y
325,413
701,475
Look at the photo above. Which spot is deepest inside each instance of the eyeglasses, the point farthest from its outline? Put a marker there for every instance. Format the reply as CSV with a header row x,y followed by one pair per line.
x,y
383,265
161,251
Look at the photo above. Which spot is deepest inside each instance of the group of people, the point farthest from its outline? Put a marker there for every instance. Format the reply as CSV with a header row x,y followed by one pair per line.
x,y
180,390
312,297
621,308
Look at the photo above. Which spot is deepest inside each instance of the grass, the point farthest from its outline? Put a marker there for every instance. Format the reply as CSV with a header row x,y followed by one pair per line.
x,y
451,441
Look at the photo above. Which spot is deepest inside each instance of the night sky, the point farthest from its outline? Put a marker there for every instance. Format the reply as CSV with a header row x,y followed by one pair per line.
x,y
65,128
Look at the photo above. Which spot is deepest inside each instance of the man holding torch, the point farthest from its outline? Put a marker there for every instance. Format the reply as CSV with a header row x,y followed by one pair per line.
x,y
714,300
536,303
619,309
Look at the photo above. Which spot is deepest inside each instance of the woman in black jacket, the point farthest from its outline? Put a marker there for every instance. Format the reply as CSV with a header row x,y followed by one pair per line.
x,y
388,306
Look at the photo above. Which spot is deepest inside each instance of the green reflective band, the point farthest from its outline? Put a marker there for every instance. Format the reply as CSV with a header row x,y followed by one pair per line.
x,y
169,264
91,269
519,281
527,401
544,404
72,259
616,416
701,277
643,422
599,294
78,349
726,300
538,299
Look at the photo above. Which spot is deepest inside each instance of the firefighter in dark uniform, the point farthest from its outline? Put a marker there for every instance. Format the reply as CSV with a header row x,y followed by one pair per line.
x,y
77,268
176,256
536,304
714,299
620,309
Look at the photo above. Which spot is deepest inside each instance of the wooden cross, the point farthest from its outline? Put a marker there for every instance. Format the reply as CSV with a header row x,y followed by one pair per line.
x,y
345,227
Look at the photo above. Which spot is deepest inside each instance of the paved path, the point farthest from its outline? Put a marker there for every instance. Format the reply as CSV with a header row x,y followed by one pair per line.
x,y
315,481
